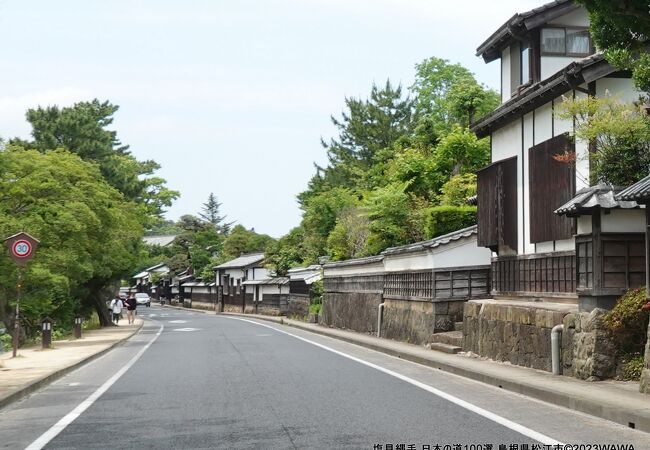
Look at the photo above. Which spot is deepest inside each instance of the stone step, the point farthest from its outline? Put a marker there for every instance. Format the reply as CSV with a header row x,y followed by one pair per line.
x,y
449,338
446,348
458,326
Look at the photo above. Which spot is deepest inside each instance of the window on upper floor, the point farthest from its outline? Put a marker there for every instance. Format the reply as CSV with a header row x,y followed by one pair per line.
x,y
565,42
524,64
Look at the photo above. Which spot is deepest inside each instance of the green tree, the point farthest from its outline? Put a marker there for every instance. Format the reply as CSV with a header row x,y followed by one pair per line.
x,y
211,214
82,129
367,127
458,189
349,238
461,152
90,234
620,132
286,252
622,29
240,240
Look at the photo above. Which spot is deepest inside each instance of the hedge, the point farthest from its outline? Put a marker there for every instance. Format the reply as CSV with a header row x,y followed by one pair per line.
x,y
441,220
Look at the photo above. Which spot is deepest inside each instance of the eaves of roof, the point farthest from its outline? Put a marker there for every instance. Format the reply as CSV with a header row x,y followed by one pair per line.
x,y
639,191
520,24
580,72
601,196
432,243
355,262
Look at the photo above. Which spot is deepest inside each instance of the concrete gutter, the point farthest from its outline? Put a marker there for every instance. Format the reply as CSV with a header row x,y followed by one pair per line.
x,y
47,379
600,399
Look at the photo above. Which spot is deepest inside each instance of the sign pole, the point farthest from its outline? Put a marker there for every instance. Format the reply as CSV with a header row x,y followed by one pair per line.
x,y
17,319
21,249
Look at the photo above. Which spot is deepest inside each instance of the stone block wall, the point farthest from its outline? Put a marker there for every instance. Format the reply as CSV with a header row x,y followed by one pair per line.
x,y
645,375
351,310
415,321
515,333
587,349
298,305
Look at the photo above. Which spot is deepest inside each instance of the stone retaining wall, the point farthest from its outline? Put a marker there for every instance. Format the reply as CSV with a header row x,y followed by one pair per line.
x,y
588,352
351,310
515,333
298,305
416,321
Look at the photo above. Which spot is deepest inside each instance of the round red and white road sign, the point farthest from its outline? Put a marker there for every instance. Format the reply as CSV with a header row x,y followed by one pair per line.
x,y
21,248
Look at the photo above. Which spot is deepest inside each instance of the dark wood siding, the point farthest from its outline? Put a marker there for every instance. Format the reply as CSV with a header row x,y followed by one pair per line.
x,y
497,205
541,272
551,184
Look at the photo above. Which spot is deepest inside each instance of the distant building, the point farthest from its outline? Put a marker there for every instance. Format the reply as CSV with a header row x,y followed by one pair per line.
x,y
161,241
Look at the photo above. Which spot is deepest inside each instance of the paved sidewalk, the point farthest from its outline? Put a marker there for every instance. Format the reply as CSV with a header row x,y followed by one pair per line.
x,y
35,367
619,402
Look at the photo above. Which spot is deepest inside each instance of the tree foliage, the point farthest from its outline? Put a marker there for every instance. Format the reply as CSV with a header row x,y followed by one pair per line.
x,y
89,233
620,132
391,163
622,30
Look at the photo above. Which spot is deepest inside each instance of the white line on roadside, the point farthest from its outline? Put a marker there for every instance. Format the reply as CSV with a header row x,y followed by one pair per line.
x,y
58,427
462,403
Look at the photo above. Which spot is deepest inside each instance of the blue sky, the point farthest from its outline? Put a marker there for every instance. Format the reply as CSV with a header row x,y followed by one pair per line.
x,y
230,97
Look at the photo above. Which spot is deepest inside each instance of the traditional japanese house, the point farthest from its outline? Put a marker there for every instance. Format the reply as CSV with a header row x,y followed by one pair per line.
x,y
268,294
545,54
230,275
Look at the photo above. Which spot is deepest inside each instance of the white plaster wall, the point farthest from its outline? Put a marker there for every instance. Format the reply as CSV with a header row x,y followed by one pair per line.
x,y
463,252
543,123
550,65
621,88
506,141
271,289
544,247
257,273
623,221
577,18
409,261
505,75
584,225
365,269
565,245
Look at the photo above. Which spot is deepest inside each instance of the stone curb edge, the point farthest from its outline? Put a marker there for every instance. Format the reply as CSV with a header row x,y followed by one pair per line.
x,y
620,415
47,379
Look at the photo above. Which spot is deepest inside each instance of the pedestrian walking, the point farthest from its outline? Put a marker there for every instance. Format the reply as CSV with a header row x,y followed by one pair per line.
x,y
131,305
116,306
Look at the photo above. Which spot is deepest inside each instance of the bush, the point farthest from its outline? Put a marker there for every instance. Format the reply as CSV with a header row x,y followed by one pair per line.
x,y
441,220
628,323
315,309
632,367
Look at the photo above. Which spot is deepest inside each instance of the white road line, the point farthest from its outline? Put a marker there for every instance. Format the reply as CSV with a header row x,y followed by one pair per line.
x,y
539,437
58,427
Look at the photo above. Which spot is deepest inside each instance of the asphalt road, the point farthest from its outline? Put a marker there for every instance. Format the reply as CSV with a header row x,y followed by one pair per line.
x,y
192,380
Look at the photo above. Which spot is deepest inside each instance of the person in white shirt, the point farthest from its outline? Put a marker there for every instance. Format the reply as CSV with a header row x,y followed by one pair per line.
x,y
116,306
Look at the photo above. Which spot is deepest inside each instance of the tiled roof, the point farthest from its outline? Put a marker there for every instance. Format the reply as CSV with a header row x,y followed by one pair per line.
x,y
639,191
355,262
520,24
243,261
267,281
599,196
578,72
432,243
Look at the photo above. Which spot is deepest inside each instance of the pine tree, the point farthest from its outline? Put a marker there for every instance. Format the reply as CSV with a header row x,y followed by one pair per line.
x,y
210,213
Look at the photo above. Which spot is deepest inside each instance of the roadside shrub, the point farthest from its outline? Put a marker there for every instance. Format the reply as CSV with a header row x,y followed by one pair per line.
x,y
5,341
441,220
632,366
627,323
315,309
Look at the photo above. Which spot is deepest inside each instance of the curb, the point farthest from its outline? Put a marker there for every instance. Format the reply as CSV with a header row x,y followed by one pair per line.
x,y
47,379
613,413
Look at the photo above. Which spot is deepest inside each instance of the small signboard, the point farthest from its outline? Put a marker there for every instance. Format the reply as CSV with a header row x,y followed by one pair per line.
x,y
21,247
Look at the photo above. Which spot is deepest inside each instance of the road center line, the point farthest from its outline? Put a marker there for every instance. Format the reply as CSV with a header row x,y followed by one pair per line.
x,y
58,427
457,401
